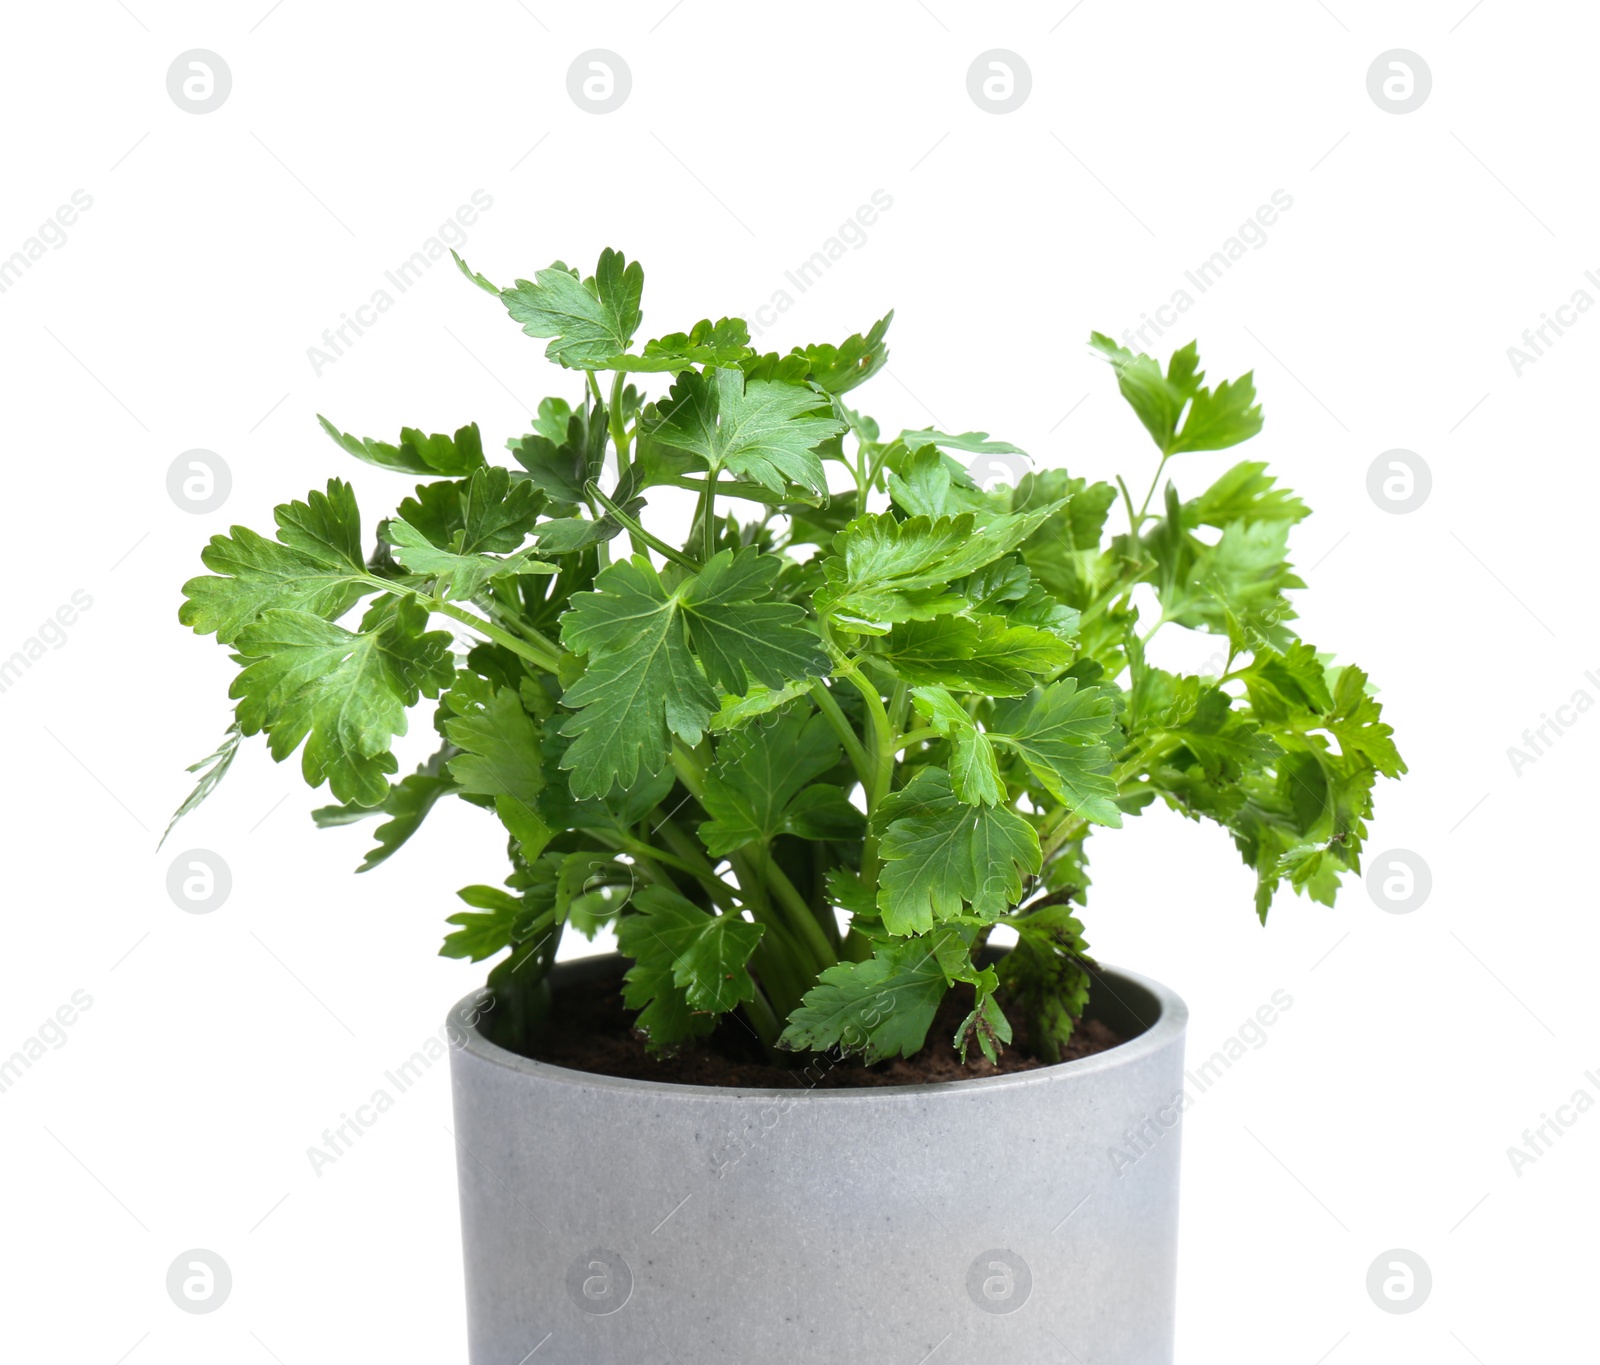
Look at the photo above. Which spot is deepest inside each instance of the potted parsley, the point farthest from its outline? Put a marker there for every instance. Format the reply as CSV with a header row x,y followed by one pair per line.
x,y
811,762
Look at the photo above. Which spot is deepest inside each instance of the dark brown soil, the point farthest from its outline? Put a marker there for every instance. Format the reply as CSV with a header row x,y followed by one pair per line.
x,y
590,1031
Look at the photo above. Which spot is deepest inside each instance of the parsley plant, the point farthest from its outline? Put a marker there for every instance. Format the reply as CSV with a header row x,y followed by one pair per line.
x,y
805,762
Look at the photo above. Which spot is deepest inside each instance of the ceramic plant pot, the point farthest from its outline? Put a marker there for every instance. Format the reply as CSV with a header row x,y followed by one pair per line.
x,y
1021,1219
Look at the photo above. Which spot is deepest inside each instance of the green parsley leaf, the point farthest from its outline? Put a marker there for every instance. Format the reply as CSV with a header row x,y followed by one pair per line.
x,y
465,574
1047,973
760,429
313,566
880,1008
885,570
974,768
503,920
1058,732
643,684
1211,420
501,758
407,806
753,791
417,453
726,342
343,693
941,854
838,369
587,321
689,965
982,654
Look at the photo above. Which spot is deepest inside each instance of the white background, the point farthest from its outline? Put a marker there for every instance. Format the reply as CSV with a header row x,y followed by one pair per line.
x,y
178,313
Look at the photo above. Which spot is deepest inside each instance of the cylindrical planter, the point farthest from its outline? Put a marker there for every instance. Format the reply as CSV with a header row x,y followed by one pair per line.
x,y
1020,1219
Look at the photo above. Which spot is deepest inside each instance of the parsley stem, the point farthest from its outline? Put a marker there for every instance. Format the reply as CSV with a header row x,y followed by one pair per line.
x,y
755,869
881,775
542,655
1145,507
843,729
763,1019
619,428
882,738
720,892
801,916
1127,501
707,516
633,528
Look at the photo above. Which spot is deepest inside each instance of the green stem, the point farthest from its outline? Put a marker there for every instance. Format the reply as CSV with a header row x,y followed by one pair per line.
x,y
763,1019
513,619
619,431
720,892
708,516
1144,507
776,960
636,530
759,873
1067,829
801,915
882,751
542,657
843,729
924,736
882,770
1127,501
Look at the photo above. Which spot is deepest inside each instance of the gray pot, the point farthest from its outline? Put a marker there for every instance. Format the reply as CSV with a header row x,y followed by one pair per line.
x,y
1021,1219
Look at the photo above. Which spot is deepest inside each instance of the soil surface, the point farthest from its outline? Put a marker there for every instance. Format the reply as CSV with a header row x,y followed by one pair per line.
x,y
590,1031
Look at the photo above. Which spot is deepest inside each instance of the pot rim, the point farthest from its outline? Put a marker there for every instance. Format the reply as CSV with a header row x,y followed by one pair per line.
x,y
1171,1017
